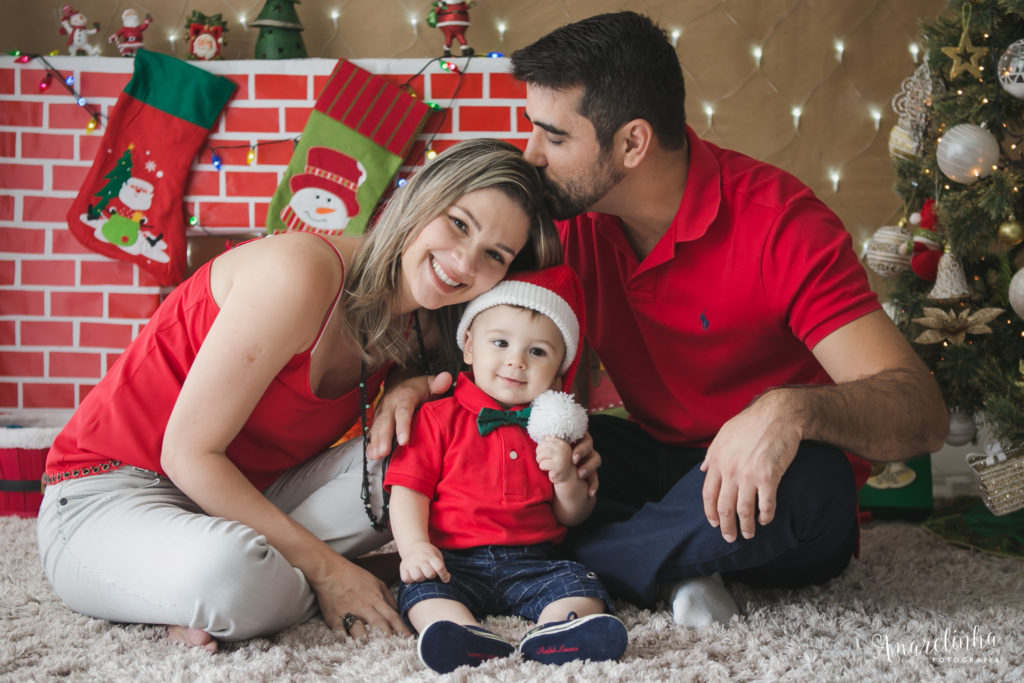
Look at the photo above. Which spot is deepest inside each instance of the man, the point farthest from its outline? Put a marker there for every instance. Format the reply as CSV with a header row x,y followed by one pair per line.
x,y
733,317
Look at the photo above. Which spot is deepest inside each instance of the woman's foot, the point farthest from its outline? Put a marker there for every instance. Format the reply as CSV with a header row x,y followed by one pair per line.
x,y
192,637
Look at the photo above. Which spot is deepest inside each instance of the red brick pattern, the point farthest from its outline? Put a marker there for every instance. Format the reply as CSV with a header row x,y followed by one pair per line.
x,y
66,312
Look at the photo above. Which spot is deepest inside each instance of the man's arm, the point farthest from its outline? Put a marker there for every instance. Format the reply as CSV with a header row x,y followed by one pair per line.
x,y
884,406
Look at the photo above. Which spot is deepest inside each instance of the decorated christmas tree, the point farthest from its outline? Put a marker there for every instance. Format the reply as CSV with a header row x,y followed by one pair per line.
x,y
280,31
955,260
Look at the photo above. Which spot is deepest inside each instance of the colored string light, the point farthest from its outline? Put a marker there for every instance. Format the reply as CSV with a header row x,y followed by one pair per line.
x,y
251,147
68,82
445,65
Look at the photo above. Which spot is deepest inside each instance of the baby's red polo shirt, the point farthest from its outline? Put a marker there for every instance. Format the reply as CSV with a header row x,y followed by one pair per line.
x,y
483,490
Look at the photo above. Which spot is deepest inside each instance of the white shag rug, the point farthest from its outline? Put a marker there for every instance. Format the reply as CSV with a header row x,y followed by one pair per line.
x,y
911,609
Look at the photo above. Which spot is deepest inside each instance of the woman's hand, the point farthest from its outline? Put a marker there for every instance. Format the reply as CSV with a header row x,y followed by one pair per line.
x,y
393,416
350,589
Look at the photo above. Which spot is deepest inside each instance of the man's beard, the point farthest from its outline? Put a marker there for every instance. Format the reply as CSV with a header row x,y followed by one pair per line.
x,y
579,194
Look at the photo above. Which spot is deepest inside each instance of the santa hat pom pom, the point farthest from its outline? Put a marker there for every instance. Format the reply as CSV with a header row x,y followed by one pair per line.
x,y
555,413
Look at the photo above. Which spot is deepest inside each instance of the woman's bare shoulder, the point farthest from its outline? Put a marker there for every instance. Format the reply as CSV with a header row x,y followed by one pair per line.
x,y
296,260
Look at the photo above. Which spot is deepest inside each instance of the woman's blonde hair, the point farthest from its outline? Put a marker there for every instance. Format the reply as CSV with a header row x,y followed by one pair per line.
x,y
372,284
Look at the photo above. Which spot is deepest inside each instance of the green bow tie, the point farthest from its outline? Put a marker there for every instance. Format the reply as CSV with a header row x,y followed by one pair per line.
x,y
490,419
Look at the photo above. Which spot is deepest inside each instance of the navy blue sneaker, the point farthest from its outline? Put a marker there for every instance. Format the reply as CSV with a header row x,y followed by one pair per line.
x,y
444,646
598,637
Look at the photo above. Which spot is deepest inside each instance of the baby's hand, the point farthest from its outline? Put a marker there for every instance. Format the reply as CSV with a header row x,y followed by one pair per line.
x,y
554,456
422,561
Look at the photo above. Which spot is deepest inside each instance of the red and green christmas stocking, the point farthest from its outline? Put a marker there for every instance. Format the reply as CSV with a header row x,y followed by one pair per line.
x,y
130,205
354,141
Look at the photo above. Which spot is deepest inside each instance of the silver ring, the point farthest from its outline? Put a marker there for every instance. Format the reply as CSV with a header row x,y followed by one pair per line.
x,y
349,620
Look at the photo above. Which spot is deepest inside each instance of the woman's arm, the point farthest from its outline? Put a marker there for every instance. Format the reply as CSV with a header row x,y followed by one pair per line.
x,y
273,298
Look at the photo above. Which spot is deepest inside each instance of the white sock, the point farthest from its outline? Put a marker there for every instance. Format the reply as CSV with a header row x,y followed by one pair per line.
x,y
701,600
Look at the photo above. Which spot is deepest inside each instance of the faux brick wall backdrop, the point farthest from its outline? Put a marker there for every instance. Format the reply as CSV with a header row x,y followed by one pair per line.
x,y
66,313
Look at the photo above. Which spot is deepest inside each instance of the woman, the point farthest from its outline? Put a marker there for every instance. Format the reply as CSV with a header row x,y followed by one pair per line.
x,y
187,489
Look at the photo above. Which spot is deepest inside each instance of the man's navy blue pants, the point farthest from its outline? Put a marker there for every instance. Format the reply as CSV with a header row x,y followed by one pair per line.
x,y
649,527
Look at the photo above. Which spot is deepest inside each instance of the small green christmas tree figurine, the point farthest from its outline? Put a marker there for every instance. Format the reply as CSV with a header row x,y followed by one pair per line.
x,y
280,31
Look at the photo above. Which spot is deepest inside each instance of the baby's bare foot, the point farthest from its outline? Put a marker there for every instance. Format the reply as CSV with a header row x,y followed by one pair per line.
x,y
192,637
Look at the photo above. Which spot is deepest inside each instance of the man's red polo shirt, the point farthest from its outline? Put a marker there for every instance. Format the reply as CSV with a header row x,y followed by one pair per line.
x,y
753,272
483,490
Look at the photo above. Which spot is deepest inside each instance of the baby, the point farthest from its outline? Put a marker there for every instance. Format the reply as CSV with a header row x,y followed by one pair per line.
x,y
487,486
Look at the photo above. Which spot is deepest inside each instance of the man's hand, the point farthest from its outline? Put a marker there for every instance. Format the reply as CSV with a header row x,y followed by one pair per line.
x,y
587,461
745,463
422,561
393,416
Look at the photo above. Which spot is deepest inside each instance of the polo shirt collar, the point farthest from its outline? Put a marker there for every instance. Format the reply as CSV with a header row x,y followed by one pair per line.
x,y
702,198
472,398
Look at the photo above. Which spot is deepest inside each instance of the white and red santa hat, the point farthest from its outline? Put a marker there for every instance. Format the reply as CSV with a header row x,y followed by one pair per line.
x,y
554,292
66,12
330,170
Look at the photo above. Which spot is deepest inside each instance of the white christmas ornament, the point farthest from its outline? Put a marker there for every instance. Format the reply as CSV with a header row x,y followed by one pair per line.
x,y
961,428
912,104
1011,69
902,143
950,280
888,251
1016,293
967,152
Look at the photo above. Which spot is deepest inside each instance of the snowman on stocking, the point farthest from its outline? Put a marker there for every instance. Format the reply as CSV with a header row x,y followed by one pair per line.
x,y
324,195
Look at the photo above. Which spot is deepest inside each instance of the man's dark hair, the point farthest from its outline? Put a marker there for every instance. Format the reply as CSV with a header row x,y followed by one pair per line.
x,y
627,67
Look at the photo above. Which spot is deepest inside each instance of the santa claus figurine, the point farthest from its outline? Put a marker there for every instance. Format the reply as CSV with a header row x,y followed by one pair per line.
x,y
128,38
453,20
72,24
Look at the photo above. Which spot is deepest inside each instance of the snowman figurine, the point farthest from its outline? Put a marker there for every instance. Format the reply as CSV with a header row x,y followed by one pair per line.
x,y
324,195
72,24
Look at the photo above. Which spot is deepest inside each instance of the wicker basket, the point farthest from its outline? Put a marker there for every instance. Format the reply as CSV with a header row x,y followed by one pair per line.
x,y
1000,478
